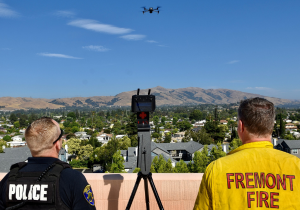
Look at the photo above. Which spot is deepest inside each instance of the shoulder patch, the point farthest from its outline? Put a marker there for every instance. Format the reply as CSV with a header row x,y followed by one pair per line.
x,y
88,195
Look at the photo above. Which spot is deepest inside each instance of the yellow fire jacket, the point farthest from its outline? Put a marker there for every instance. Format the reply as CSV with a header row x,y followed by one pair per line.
x,y
253,176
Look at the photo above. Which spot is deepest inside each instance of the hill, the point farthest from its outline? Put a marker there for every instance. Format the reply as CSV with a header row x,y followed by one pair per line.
x,y
181,96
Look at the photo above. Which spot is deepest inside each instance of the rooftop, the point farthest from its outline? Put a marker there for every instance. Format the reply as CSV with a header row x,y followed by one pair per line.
x,y
112,191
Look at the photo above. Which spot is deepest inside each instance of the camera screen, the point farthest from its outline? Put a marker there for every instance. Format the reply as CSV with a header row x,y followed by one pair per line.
x,y
143,106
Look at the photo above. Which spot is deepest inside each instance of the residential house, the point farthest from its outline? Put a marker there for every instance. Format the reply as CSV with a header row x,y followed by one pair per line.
x,y
196,128
290,127
17,154
183,150
22,131
177,136
223,122
104,138
119,136
130,156
12,156
82,135
198,124
3,130
17,141
289,146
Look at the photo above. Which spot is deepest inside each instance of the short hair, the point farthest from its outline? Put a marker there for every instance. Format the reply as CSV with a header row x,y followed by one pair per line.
x,y
40,135
258,115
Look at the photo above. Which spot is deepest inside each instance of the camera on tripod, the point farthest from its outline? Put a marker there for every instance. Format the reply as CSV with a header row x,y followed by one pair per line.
x,y
142,105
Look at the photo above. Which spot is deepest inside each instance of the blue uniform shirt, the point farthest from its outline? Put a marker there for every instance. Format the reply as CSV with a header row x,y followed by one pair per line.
x,y
71,194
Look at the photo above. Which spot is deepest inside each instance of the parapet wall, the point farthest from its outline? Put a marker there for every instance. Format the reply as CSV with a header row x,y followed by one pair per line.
x,y
112,191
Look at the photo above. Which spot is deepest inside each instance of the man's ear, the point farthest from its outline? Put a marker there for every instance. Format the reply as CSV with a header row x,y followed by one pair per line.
x,y
57,146
241,126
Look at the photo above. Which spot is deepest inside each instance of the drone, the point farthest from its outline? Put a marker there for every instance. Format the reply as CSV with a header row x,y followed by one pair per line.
x,y
151,10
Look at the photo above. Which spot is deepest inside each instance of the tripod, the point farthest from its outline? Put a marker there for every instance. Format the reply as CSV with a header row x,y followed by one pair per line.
x,y
149,178
142,105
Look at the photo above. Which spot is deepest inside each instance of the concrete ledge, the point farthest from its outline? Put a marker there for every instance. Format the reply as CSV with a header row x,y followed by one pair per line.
x,y
112,191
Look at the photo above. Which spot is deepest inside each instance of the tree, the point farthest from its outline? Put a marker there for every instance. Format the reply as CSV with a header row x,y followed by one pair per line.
x,y
72,115
7,138
217,152
13,118
169,167
195,115
234,134
125,142
168,138
235,143
181,167
201,160
131,126
134,140
16,124
215,131
85,152
2,143
137,170
155,120
282,127
289,136
163,120
74,129
175,119
73,146
118,163
155,135
202,137
184,125
23,120
155,164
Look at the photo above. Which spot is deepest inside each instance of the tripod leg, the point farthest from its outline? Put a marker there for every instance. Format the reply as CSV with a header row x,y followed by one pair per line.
x,y
137,182
155,192
146,192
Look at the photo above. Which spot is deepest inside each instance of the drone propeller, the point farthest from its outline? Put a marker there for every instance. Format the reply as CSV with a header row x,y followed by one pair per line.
x,y
144,8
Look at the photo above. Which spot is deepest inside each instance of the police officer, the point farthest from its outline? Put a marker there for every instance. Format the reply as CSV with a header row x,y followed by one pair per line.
x,y
45,182
253,176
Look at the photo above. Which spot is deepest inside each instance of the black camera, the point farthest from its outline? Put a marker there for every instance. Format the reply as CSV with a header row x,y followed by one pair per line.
x,y
143,103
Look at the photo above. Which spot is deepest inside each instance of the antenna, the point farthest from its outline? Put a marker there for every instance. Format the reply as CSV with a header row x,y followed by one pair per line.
x,y
149,91
138,91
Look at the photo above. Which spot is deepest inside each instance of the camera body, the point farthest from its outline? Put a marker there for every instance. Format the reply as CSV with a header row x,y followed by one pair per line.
x,y
143,103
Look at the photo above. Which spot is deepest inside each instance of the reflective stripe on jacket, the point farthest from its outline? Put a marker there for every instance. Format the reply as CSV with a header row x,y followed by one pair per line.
x,y
253,176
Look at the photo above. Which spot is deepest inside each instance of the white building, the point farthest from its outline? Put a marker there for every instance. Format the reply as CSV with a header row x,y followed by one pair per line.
x,y
16,141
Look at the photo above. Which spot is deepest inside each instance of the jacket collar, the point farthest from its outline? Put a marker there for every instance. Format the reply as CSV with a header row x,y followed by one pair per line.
x,y
258,144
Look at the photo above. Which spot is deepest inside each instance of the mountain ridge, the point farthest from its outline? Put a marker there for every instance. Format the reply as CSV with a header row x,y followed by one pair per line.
x,y
164,96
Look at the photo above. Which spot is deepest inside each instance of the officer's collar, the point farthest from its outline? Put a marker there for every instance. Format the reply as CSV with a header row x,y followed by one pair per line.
x,y
43,160
258,144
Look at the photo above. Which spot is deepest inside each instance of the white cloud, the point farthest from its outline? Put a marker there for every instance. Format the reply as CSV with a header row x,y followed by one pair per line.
x,y
232,62
57,55
96,48
260,88
65,13
151,41
133,37
99,27
5,11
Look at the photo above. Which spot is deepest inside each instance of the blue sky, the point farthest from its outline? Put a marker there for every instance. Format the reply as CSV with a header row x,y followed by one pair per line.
x,y
56,49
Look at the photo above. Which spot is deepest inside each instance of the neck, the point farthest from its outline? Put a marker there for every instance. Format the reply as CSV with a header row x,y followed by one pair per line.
x,y
250,139
47,153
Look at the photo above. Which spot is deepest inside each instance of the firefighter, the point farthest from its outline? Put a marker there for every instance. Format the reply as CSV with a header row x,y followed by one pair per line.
x,y
45,182
255,175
